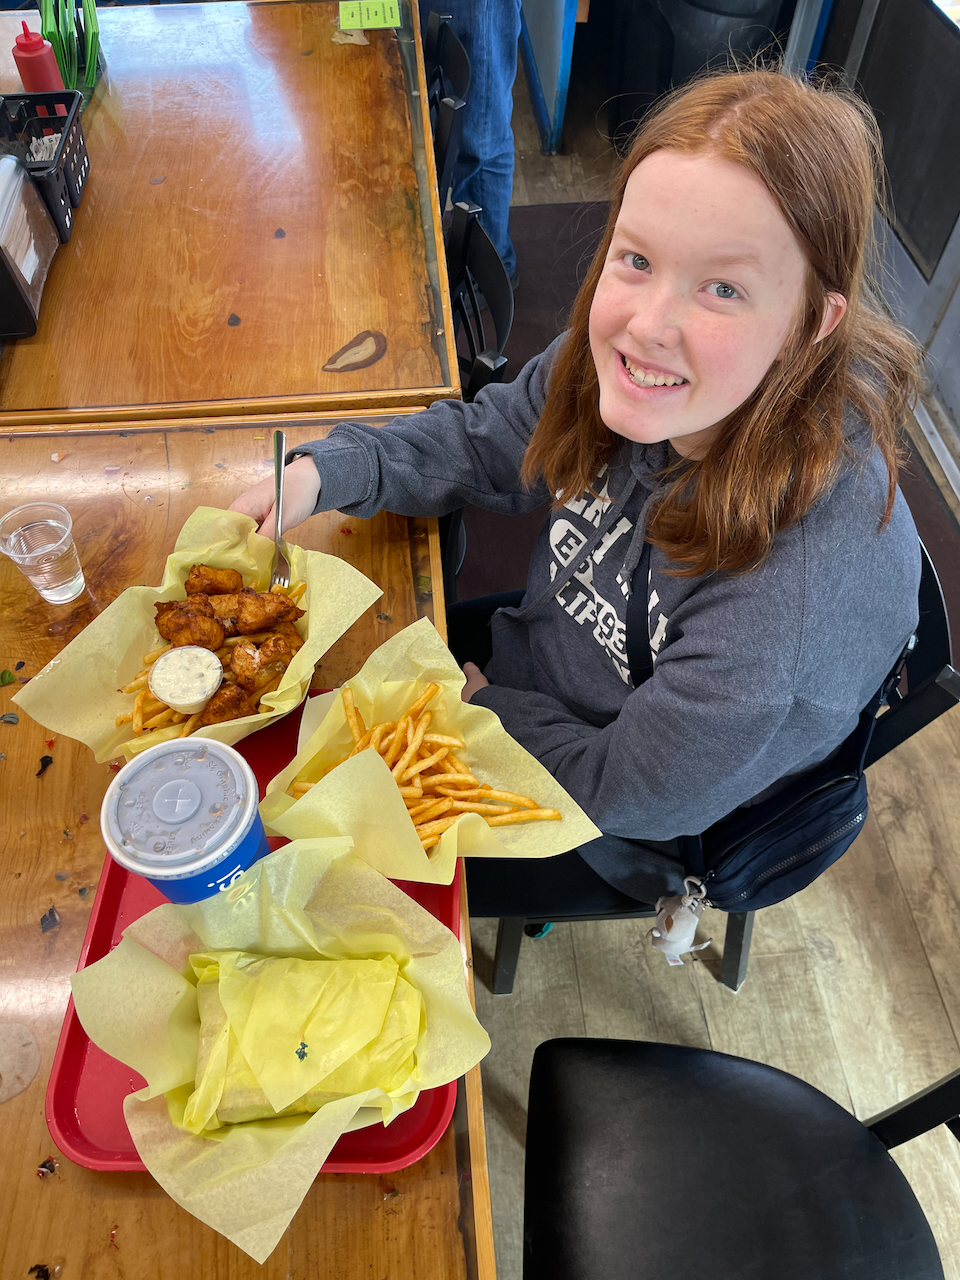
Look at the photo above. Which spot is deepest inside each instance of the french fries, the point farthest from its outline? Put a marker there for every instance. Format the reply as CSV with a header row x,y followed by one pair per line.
x,y
436,786
150,713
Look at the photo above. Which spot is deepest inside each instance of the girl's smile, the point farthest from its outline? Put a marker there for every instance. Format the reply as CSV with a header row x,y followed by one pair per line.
x,y
698,295
646,375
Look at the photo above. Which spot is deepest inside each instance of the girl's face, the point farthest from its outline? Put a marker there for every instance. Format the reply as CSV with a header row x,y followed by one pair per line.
x,y
697,298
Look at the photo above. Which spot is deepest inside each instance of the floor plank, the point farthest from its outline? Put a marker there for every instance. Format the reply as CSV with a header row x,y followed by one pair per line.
x,y
931,1164
885,1009
777,1017
916,802
629,991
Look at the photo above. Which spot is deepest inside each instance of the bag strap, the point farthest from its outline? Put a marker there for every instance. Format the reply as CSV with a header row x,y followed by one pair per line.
x,y
639,657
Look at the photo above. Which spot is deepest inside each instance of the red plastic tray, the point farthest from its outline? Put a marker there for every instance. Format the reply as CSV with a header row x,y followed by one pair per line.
x,y
84,1102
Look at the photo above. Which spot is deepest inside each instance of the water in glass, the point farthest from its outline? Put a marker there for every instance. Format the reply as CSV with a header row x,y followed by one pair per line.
x,y
45,553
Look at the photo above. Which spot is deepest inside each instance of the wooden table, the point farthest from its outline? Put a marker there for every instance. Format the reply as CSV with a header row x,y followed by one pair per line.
x,y
258,196
431,1221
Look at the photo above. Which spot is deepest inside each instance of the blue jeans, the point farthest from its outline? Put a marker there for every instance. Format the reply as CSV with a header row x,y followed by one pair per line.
x,y
489,31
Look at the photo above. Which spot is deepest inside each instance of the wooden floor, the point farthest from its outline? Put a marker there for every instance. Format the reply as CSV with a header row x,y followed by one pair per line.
x,y
583,170
853,985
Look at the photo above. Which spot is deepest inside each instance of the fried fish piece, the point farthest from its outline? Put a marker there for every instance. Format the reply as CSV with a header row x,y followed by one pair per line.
x,y
228,703
263,611
255,667
189,621
225,609
290,633
198,604
204,580
275,649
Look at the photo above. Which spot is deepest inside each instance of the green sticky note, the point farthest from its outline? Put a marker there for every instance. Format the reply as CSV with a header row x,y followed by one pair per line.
x,y
365,15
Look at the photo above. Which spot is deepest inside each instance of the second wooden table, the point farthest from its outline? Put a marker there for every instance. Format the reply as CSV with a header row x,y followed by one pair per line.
x,y
259,195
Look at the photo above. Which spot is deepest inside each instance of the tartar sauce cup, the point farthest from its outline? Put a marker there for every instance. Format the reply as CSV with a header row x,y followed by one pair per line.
x,y
184,816
186,678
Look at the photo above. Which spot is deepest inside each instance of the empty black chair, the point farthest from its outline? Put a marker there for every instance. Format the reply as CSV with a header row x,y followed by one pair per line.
x,y
448,84
524,895
481,298
655,1160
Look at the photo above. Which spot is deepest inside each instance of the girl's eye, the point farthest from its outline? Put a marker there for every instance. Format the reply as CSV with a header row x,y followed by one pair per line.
x,y
723,290
637,261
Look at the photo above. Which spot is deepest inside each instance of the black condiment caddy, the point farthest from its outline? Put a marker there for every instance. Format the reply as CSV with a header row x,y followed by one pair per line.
x,y
60,180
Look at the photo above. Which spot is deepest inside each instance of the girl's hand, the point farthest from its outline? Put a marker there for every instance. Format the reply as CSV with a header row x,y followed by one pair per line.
x,y
301,490
475,680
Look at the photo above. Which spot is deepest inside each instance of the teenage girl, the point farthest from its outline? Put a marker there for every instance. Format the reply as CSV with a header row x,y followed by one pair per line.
x,y
717,430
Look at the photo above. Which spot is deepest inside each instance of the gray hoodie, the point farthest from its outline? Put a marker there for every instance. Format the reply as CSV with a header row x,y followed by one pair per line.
x,y
755,676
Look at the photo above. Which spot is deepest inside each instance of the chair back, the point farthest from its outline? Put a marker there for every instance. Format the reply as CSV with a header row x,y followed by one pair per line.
x,y
445,59
649,1160
930,685
474,268
448,84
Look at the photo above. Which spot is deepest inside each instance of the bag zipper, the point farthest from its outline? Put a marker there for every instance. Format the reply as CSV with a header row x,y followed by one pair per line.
x,y
808,852
784,815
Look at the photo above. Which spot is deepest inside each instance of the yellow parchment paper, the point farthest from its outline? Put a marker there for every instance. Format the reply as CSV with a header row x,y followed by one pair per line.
x,y
77,693
360,797
311,900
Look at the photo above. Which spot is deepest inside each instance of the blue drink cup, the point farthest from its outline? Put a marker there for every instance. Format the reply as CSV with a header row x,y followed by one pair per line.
x,y
184,816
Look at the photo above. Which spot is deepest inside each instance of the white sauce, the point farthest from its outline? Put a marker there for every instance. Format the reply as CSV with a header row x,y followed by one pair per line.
x,y
186,678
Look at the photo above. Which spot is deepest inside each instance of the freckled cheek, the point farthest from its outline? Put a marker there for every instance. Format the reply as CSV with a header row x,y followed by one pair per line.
x,y
734,359
606,313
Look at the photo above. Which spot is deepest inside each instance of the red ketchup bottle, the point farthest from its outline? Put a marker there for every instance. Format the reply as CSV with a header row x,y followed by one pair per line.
x,y
37,63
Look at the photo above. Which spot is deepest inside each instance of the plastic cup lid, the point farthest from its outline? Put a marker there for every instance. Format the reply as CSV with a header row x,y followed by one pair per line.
x,y
178,806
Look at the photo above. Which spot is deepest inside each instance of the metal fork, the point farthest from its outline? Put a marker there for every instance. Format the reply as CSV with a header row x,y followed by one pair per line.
x,y
281,570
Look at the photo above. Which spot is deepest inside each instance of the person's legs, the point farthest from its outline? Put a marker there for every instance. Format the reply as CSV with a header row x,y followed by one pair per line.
x,y
642,869
489,31
570,884
468,626
540,888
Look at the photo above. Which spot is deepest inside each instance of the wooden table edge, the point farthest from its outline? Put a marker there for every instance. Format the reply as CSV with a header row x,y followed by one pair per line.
x,y
471,1095
443,282
267,421
214,413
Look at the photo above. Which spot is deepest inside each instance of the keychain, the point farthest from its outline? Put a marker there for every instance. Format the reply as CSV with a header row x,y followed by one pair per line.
x,y
677,920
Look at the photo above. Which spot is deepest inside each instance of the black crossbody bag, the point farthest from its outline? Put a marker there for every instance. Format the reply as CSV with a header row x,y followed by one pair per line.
x,y
763,853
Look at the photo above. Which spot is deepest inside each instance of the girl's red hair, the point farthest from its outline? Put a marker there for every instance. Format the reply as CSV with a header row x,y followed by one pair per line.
x,y
818,153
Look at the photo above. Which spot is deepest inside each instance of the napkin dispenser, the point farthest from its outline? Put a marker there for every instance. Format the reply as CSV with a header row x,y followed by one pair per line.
x,y
28,241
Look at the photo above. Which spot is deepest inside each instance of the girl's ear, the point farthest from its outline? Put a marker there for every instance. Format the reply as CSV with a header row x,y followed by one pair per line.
x,y
835,304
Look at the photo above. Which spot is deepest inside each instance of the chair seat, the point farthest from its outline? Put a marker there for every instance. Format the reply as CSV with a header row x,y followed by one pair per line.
x,y
560,888
661,1161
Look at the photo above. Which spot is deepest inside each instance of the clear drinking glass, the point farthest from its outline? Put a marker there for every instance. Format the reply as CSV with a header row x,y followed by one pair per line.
x,y
38,538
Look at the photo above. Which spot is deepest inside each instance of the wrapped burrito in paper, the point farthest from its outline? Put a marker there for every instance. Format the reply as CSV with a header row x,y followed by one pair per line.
x,y
358,796
280,1036
78,692
311,998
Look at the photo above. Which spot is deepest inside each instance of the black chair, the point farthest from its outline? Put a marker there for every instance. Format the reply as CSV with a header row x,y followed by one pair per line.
x,y
481,298
448,84
656,1160
929,687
